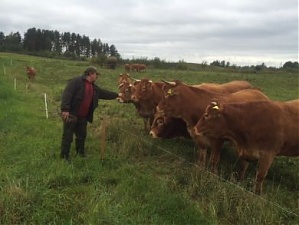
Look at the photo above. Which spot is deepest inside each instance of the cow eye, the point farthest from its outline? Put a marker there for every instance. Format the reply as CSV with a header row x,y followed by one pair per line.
x,y
206,116
160,121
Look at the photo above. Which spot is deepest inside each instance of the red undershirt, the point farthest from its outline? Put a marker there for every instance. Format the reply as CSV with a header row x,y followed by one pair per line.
x,y
86,101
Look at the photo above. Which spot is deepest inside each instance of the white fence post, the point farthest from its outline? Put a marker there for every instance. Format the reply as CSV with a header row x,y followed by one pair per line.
x,y
46,106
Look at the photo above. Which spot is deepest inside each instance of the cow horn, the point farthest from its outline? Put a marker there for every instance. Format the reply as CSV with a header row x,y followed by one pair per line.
x,y
135,79
171,83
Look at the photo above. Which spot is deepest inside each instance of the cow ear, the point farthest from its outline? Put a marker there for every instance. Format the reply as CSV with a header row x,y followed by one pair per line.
x,y
170,92
215,108
214,105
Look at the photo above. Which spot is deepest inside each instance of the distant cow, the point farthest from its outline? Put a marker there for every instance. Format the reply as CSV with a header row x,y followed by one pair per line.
x,y
31,72
261,130
189,103
128,68
141,68
134,67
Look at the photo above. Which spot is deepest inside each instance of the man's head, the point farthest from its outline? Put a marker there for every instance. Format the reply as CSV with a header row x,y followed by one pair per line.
x,y
91,73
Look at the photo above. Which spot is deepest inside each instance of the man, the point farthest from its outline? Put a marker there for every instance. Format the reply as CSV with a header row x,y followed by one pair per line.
x,y
79,100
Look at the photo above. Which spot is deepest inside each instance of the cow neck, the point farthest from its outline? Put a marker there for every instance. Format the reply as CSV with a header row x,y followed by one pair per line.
x,y
235,114
195,101
157,92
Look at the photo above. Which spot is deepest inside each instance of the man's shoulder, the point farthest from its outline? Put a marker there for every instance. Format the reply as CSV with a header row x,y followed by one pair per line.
x,y
77,79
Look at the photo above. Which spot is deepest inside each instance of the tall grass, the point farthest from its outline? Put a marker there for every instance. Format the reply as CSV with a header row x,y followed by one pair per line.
x,y
134,179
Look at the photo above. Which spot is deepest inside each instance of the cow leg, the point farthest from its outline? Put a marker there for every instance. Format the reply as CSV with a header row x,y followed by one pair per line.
x,y
202,149
263,167
215,146
243,167
202,155
146,124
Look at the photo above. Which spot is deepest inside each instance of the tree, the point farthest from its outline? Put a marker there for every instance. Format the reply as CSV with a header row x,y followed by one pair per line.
x,y
111,62
12,42
113,51
290,65
51,43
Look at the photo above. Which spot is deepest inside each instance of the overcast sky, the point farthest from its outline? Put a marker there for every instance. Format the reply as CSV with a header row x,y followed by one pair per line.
x,y
242,32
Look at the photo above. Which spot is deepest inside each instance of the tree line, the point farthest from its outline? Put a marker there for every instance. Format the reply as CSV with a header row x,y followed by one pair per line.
x,y
55,44
47,43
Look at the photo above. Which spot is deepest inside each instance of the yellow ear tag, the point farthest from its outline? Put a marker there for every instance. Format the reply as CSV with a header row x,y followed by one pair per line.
x,y
169,92
215,107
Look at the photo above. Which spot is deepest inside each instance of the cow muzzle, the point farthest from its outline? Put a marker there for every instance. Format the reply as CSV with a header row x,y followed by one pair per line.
x,y
197,132
152,133
134,98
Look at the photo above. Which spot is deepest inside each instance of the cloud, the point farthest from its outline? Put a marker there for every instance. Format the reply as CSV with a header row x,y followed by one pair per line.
x,y
245,32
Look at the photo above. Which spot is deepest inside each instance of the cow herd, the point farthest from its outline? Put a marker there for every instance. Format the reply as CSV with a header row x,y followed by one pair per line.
x,y
259,128
135,67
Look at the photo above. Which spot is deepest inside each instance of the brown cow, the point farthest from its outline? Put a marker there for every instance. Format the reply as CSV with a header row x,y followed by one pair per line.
x,y
261,130
128,68
147,94
162,125
126,90
134,67
31,72
228,87
141,68
168,127
124,78
189,103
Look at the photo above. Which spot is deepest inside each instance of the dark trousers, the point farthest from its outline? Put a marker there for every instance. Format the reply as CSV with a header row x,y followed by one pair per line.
x,y
77,127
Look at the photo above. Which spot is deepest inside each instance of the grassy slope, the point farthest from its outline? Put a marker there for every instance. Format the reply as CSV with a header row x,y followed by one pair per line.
x,y
140,180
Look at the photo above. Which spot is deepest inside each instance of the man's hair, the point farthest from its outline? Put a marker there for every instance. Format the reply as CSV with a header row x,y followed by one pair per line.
x,y
91,69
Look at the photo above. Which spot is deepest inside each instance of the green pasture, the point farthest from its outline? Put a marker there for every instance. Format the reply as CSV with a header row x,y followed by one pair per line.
x,y
127,177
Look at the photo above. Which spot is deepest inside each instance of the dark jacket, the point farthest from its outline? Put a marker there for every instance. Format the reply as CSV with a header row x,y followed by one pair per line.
x,y
73,95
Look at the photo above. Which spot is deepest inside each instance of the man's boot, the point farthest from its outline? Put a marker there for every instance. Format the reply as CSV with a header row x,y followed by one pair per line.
x,y
80,143
65,151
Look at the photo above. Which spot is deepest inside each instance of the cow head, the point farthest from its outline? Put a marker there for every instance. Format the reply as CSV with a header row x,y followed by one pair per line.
x,y
212,123
158,126
142,90
172,98
168,127
124,78
126,89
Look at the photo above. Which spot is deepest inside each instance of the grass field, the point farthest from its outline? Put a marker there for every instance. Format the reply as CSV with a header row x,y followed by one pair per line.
x,y
127,177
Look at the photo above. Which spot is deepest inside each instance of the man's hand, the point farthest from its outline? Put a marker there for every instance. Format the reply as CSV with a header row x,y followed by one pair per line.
x,y
65,116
